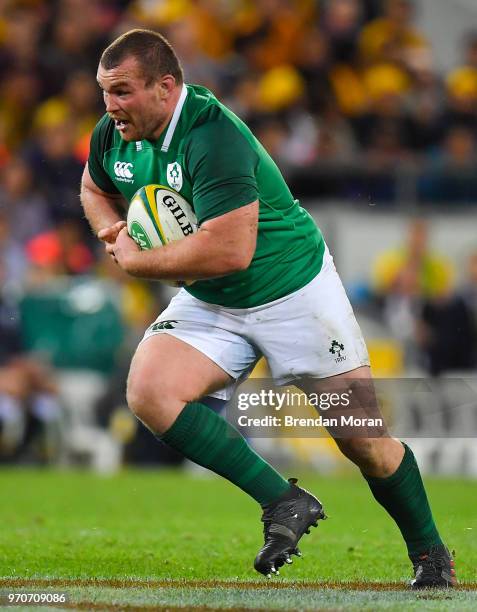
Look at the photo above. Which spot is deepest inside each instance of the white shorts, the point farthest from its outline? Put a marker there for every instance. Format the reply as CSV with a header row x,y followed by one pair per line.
x,y
311,332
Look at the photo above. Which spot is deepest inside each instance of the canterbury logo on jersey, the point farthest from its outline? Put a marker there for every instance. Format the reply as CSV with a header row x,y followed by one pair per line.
x,y
124,171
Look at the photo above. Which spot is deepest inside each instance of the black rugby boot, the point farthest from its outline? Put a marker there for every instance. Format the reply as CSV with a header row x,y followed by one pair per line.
x,y
434,569
285,521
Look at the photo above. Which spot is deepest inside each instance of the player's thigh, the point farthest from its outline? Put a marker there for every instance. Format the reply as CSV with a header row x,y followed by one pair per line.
x,y
166,373
349,397
344,381
213,332
165,368
358,426
348,401
191,350
313,332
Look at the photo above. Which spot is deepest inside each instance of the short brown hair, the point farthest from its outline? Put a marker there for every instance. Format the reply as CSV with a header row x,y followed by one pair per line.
x,y
153,52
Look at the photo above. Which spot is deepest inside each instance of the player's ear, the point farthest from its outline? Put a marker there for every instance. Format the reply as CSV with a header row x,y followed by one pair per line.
x,y
167,85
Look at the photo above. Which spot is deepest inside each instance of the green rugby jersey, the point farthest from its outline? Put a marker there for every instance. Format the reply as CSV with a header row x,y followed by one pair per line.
x,y
212,158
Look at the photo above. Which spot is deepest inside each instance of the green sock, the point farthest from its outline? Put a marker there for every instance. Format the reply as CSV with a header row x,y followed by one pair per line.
x,y
403,496
207,439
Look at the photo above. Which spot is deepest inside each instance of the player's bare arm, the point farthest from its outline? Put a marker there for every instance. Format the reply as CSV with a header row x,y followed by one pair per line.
x,y
102,210
222,246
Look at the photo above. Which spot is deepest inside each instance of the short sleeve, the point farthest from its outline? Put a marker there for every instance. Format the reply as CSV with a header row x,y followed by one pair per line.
x,y
221,163
99,144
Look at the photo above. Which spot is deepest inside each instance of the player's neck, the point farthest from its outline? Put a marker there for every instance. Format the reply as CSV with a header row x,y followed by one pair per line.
x,y
171,107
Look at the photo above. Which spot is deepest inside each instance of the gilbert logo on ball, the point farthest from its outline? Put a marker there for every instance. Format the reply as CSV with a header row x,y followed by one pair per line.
x,y
158,215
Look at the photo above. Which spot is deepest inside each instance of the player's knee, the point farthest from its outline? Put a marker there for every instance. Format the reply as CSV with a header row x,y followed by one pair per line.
x,y
138,397
149,396
143,397
378,457
361,451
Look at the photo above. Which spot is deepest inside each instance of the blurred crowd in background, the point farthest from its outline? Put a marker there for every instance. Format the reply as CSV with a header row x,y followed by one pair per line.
x,y
335,89
343,94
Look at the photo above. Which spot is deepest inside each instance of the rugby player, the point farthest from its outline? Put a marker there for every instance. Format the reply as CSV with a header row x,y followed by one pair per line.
x,y
265,284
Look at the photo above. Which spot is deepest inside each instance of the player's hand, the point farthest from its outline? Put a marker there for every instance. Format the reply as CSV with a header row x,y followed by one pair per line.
x,y
109,234
122,249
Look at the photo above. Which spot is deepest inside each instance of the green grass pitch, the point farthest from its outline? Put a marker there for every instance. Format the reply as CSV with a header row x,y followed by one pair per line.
x,y
144,540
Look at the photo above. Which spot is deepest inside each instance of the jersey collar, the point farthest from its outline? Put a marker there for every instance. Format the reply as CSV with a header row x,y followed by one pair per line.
x,y
174,120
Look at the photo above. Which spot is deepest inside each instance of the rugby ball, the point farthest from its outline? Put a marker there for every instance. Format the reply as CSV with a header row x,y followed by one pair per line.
x,y
158,215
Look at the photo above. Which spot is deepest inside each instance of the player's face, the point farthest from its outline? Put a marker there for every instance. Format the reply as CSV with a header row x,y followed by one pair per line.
x,y
139,111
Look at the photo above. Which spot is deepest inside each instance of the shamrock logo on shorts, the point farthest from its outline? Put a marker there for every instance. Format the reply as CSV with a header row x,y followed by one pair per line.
x,y
336,348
